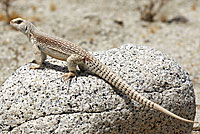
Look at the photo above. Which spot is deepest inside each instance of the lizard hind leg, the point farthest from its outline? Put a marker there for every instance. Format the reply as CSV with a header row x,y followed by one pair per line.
x,y
82,67
72,62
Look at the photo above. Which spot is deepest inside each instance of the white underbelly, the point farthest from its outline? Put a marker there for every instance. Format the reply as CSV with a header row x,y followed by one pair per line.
x,y
54,53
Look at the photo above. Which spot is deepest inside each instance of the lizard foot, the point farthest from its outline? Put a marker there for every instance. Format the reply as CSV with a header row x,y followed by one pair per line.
x,y
35,67
68,75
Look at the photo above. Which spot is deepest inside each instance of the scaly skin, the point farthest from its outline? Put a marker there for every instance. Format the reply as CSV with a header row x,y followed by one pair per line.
x,y
74,55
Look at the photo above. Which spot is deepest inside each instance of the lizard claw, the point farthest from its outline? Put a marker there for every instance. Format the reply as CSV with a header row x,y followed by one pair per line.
x,y
35,67
68,75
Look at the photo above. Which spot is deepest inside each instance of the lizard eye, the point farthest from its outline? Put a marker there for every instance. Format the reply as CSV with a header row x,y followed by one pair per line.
x,y
19,21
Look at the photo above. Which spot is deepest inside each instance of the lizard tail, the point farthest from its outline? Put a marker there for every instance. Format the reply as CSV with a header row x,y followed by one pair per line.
x,y
161,109
104,72
141,99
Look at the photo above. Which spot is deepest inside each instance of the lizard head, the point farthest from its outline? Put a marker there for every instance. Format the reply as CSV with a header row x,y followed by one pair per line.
x,y
21,25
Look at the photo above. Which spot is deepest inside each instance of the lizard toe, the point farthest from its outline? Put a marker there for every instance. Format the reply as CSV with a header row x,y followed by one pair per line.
x,y
69,75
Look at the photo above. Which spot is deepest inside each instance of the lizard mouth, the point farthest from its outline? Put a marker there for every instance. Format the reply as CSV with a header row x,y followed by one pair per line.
x,y
12,23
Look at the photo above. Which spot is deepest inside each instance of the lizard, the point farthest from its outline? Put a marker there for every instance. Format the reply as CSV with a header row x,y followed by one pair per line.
x,y
45,44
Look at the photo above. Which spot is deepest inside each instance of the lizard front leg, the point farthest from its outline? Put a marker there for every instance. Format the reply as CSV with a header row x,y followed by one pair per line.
x,y
72,62
40,57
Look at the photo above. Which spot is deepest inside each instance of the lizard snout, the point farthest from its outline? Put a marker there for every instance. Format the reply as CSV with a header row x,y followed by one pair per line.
x,y
11,21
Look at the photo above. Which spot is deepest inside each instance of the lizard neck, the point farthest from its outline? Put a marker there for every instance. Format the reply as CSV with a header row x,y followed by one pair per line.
x,y
30,33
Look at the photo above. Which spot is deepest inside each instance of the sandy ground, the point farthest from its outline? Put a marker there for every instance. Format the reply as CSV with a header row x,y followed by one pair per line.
x,y
100,25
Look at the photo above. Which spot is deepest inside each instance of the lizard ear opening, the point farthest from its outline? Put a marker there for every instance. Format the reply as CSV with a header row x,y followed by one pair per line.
x,y
26,28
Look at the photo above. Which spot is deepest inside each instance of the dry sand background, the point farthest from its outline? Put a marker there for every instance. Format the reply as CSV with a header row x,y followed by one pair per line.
x,y
103,24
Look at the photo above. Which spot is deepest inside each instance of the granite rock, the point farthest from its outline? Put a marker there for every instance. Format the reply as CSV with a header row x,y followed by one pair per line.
x,y
39,101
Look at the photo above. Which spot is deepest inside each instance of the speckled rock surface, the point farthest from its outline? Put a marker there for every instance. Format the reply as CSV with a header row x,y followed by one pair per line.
x,y
40,101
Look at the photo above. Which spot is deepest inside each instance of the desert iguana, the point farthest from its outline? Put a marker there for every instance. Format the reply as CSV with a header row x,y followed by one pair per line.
x,y
45,44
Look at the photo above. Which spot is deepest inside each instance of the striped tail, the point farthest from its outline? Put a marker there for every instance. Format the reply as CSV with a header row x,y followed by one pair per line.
x,y
104,72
